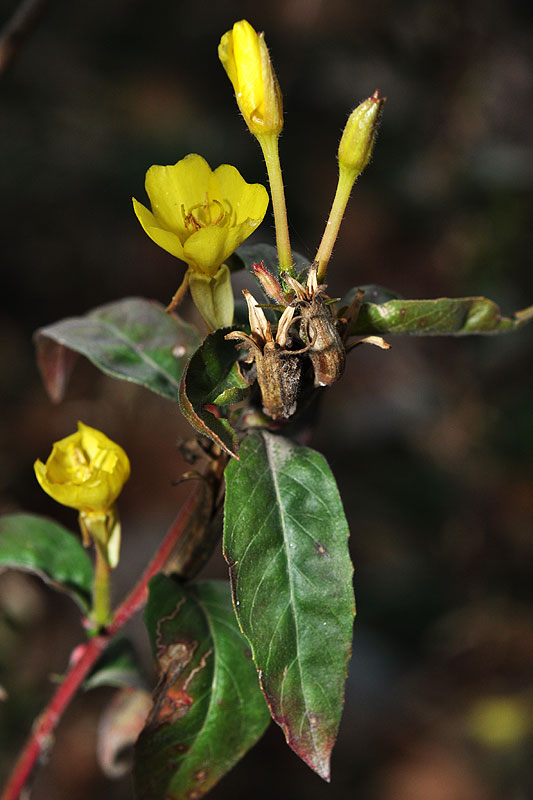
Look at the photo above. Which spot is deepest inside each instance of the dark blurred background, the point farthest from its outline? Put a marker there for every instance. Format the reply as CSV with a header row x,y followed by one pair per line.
x,y
430,442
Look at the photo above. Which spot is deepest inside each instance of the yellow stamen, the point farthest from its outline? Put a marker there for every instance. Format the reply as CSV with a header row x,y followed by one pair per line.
x,y
193,221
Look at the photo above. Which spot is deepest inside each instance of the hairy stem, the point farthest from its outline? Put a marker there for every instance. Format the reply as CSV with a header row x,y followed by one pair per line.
x,y
342,195
269,146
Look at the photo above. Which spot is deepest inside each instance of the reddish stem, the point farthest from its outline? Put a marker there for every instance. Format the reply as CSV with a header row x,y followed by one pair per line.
x,y
81,664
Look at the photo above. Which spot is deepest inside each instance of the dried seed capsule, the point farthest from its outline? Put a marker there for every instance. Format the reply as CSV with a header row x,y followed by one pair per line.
x,y
326,349
279,375
318,330
279,369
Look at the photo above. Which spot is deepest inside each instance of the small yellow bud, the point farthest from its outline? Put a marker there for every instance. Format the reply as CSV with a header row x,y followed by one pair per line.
x,y
85,471
357,142
244,56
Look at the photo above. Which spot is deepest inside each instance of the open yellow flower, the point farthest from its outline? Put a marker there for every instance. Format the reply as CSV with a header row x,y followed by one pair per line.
x,y
85,471
199,215
244,56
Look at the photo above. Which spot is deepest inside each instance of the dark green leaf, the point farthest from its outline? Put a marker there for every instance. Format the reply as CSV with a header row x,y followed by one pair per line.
x,y
39,545
133,339
208,709
211,378
118,666
443,316
286,541
373,294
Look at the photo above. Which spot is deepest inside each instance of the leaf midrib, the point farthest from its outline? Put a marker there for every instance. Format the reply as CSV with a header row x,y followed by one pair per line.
x,y
281,515
141,354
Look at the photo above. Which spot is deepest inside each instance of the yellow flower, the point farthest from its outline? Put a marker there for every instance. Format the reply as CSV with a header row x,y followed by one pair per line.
x,y
244,56
198,215
85,471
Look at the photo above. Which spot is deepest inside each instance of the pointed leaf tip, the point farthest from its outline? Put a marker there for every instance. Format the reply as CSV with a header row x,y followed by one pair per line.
x,y
286,544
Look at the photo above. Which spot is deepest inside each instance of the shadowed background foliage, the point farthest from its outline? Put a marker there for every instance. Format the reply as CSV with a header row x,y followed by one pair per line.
x,y
431,441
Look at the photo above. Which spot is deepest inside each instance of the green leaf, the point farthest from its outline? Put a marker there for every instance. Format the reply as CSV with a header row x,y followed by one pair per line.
x,y
212,378
286,541
373,294
118,666
39,545
208,709
444,316
133,339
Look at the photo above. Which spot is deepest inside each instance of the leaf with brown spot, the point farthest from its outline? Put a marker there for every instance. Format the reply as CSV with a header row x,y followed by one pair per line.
x,y
286,541
208,709
382,313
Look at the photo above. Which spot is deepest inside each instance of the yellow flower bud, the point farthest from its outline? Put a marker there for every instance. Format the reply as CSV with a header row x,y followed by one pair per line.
x,y
85,471
244,56
357,142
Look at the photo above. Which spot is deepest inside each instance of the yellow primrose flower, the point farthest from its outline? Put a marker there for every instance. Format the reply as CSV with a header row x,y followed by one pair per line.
x,y
199,215
244,56
85,471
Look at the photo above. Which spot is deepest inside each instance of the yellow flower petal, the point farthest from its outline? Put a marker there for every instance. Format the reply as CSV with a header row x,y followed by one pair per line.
x,y
172,187
244,56
85,471
250,199
249,69
208,248
227,58
166,239
202,217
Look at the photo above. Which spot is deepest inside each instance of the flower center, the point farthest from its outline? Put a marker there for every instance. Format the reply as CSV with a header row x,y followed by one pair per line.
x,y
81,464
206,214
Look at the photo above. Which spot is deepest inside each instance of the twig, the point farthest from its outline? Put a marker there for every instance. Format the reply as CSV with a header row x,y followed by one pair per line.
x,y
85,656
18,28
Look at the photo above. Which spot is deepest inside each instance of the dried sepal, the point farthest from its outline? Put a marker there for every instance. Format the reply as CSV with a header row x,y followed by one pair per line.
x,y
259,325
269,283
377,341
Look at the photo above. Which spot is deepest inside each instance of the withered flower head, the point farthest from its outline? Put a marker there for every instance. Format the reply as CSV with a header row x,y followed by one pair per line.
x,y
318,329
279,369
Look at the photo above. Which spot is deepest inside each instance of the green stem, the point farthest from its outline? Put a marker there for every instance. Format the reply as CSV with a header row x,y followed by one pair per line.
x,y
101,611
342,195
269,146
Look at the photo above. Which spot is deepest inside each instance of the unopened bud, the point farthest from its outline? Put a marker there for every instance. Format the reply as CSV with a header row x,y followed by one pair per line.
x,y
357,142
268,282
244,56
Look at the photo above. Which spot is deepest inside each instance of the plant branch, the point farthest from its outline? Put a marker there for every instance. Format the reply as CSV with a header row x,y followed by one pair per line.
x,y
269,146
85,655
18,28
